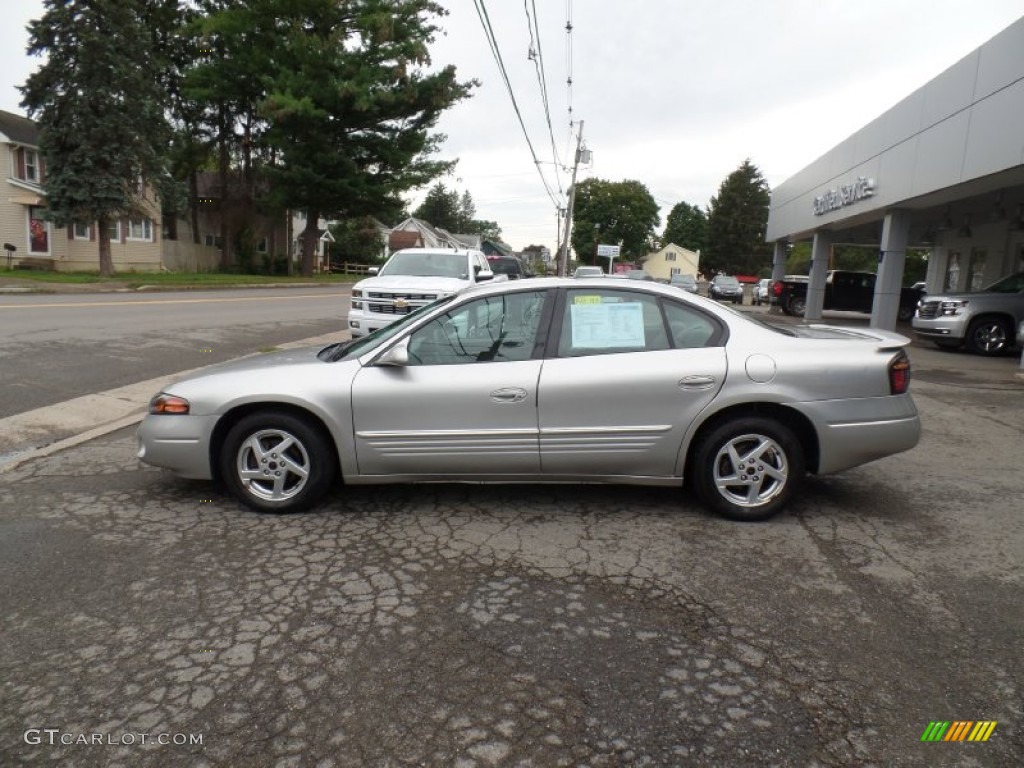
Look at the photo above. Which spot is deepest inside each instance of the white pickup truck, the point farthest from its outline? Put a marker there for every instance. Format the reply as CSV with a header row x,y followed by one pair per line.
x,y
412,278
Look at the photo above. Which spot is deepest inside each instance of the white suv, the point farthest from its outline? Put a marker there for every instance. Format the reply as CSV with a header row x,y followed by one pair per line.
x,y
410,279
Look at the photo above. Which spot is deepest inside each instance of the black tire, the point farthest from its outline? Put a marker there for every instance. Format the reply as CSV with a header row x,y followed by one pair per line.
x,y
989,336
797,306
905,312
277,462
770,468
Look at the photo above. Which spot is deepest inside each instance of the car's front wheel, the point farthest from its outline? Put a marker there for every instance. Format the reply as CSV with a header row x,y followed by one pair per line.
x,y
277,462
797,307
988,336
748,468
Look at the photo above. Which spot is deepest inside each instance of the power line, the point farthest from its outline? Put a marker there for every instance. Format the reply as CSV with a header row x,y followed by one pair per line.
x,y
485,21
537,56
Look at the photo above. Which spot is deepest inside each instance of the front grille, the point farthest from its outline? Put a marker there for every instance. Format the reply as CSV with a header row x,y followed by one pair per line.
x,y
397,303
928,310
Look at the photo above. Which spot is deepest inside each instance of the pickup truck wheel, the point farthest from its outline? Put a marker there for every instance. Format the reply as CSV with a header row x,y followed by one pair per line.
x,y
277,462
797,307
988,336
906,312
748,468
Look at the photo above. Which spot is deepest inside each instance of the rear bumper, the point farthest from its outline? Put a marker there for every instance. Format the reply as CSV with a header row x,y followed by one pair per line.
x,y
856,431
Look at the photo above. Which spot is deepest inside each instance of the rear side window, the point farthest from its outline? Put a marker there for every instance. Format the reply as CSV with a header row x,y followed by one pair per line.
x,y
597,322
690,328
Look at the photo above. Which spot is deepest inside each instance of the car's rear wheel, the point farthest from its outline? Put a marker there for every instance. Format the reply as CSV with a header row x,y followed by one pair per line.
x,y
797,307
905,312
748,469
277,462
988,336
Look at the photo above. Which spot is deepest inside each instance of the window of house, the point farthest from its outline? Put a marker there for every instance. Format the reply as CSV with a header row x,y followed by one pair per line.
x,y
82,231
261,245
212,241
670,256
114,230
38,231
140,229
31,165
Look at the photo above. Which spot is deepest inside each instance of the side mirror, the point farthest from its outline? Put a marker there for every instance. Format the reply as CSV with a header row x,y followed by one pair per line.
x,y
372,271
397,356
483,274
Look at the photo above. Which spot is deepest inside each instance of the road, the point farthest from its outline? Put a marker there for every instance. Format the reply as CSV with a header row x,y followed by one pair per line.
x,y
55,347
527,625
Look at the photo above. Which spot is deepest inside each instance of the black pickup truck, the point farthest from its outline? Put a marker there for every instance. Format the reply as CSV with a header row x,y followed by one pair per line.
x,y
851,291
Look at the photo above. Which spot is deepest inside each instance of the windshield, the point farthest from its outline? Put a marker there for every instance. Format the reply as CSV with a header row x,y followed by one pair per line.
x,y
427,265
1011,284
347,350
726,281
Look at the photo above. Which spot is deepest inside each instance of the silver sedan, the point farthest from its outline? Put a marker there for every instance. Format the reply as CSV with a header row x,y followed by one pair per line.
x,y
578,380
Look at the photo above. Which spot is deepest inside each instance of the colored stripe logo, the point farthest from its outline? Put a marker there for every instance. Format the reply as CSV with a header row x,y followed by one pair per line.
x,y
958,730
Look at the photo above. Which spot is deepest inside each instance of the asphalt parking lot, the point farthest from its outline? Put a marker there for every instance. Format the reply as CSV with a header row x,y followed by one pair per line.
x,y
523,625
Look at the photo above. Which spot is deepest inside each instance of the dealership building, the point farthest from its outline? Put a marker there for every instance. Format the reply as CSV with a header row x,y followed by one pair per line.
x,y
943,170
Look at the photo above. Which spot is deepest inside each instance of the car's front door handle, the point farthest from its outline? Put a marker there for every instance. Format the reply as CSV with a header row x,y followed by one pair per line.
x,y
508,395
697,382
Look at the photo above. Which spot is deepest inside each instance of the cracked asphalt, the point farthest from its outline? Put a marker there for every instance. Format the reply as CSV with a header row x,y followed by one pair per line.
x,y
528,625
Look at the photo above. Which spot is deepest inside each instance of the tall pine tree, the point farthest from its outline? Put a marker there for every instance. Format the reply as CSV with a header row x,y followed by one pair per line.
x,y
100,106
351,105
737,220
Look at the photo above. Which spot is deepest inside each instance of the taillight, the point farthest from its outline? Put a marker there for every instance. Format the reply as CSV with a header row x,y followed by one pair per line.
x,y
777,287
899,374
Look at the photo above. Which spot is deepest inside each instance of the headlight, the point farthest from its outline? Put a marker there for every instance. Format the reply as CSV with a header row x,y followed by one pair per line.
x,y
168,404
357,294
952,307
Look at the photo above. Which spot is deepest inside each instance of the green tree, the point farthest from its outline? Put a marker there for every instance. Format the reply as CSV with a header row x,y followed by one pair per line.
x,y
442,208
357,240
737,220
100,105
351,104
686,225
613,212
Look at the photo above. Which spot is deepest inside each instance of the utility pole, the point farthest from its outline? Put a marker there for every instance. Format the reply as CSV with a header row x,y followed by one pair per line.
x,y
563,256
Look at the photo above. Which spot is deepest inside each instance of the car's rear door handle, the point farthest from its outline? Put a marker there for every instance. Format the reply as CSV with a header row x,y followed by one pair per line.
x,y
697,382
509,395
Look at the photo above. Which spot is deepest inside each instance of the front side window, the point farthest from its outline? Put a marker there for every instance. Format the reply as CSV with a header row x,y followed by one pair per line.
x,y
599,322
491,329
38,231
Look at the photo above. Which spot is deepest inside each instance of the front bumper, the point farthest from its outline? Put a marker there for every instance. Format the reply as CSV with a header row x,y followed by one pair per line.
x,y
952,327
178,443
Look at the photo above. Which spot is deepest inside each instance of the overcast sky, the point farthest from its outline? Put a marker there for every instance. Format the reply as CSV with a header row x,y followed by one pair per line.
x,y
672,93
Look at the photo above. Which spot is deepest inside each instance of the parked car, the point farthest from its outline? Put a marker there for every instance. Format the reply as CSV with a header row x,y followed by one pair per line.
x,y
726,288
686,282
844,290
547,380
638,274
412,278
986,321
586,271
763,291
510,266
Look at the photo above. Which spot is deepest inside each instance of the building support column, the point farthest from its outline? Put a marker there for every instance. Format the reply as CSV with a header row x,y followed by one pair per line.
x,y
778,270
891,260
820,250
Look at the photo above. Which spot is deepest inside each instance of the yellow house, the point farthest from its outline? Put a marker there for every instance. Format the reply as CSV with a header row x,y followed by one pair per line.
x,y
671,260
134,240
